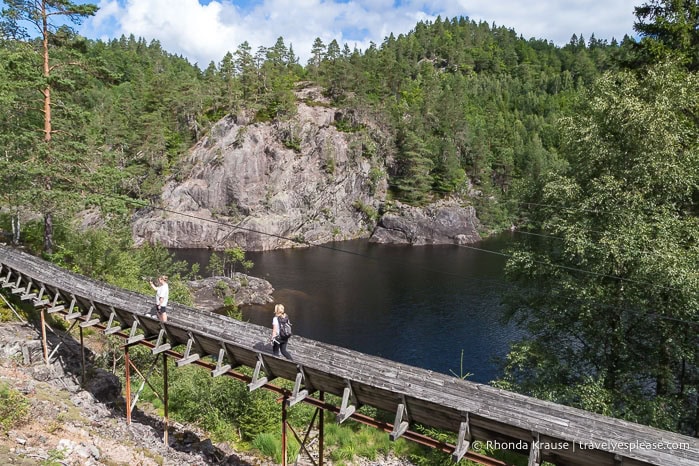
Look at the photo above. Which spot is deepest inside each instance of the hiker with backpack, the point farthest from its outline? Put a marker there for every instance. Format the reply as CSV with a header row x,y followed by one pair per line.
x,y
281,331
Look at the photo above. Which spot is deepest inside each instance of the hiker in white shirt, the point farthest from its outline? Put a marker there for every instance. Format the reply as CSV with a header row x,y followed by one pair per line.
x,y
162,292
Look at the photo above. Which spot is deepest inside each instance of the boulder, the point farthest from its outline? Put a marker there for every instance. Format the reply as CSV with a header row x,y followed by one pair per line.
x,y
210,293
445,222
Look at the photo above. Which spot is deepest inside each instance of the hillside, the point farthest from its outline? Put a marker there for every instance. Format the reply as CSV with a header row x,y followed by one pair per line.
x,y
62,423
67,424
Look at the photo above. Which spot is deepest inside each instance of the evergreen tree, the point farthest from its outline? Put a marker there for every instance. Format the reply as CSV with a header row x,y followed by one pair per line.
x,y
49,163
230,89
668,28
246,70
413,180
317,54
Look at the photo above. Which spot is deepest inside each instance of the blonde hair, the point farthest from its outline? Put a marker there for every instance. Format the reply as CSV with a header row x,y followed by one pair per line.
x,y
279,310
164,278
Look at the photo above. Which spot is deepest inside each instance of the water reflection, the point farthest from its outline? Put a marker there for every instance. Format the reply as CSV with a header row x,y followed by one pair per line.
x,y
417,305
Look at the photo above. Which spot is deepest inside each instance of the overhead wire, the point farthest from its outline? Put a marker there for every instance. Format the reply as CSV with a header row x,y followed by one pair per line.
x,y
576,269
144,204
305,242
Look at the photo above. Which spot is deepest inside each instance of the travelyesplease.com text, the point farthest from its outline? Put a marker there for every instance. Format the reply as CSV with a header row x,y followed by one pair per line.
x,y
610,445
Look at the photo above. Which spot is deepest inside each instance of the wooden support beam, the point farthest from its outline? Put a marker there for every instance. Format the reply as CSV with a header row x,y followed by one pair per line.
x,y
347,409
160,345
133,336
231,357
258,381
166,418
463,440
27,295
39,300
55,307
43,338
220,367
7,278
196,341
401,423
111,328
89,321
297,394
72,314
15,288
127,385
188,356
8,283
534,452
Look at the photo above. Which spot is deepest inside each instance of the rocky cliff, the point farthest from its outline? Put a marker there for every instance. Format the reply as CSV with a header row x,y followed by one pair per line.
x,y
263,186
300,179
444,222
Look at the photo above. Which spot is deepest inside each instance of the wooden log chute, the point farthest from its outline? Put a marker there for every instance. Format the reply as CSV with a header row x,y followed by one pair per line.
x,y
472,411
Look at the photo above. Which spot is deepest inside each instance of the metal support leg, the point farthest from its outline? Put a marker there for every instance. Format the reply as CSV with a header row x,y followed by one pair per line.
x,y
144,382
82,355
165,414
284,404
127,370
302,442
321,430
43,337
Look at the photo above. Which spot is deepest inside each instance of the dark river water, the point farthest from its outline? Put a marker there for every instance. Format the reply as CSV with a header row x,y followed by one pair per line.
x,y
421,306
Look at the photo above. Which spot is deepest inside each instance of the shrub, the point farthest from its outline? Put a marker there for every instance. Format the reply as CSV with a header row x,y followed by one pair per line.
x,y
14,407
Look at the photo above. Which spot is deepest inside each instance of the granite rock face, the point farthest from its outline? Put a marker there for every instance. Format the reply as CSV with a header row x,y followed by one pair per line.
x,y
301,179
264,186
445,222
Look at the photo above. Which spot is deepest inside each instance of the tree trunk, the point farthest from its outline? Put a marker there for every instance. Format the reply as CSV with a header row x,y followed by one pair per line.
x,y
662,378
47,73
15,228
48,217
48,233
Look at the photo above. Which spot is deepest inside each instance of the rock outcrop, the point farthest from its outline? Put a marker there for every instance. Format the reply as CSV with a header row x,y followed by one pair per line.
x,y
445,222
301,179
262,186
210,293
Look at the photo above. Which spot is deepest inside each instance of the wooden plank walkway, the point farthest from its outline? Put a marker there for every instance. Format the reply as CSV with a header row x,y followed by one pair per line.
x,y
544,430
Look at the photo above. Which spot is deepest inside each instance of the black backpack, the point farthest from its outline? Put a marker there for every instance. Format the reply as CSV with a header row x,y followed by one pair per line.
x,y
284,327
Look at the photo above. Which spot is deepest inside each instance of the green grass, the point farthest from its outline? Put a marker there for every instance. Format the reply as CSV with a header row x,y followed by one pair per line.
x,y
270,445
14,407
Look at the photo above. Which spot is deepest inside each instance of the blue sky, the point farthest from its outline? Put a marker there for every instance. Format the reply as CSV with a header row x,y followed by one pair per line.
x,y
204,30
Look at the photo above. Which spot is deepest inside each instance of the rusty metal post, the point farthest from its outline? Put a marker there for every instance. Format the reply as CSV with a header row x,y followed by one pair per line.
x,y
321,430
165,413
43,337
82,355
285,403
127,370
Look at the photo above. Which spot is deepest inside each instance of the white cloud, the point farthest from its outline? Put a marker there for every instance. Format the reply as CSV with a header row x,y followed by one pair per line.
x,y
204,33
557,21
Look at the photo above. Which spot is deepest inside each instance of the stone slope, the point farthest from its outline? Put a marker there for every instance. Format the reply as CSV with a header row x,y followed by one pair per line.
x,y
300,179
